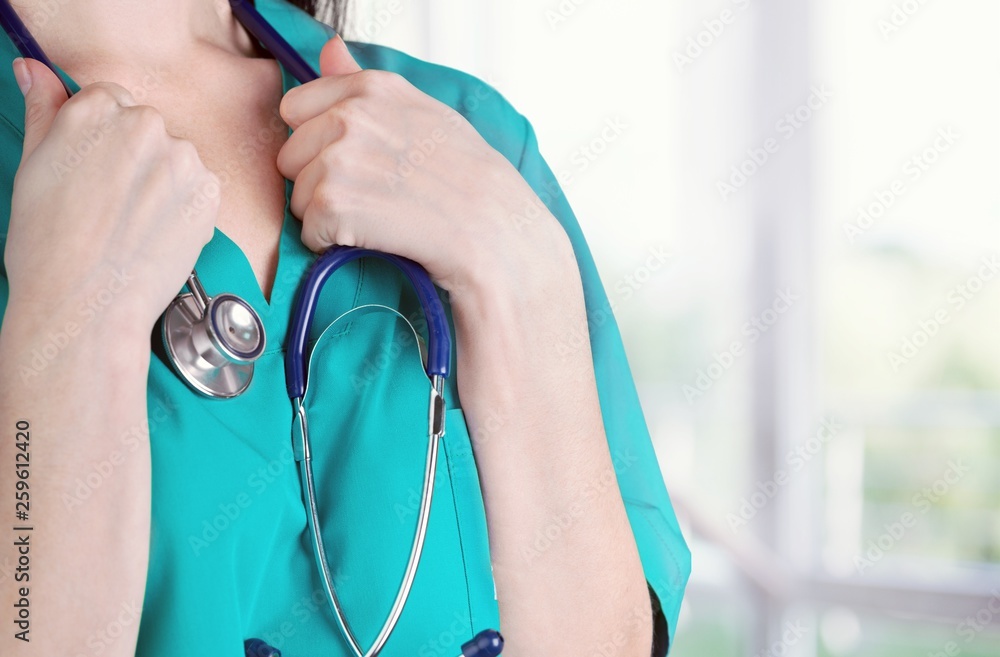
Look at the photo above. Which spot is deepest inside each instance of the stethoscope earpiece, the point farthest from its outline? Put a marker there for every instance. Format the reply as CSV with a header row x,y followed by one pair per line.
x,y
212,342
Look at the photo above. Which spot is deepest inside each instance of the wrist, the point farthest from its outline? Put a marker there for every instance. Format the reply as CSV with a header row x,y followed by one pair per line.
x,y
35,339
532,278
518,310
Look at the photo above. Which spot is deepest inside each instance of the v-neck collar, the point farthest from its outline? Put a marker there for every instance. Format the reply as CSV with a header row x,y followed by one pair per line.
x,y
224,267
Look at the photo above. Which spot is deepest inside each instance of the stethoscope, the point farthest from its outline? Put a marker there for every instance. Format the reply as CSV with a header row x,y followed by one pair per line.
x,y
213,341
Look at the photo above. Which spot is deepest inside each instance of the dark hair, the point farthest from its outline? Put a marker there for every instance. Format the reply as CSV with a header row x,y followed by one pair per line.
x,y
331,12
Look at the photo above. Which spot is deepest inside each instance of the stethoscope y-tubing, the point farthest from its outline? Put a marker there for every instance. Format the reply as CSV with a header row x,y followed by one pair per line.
x,y
416,547
437,367
438,339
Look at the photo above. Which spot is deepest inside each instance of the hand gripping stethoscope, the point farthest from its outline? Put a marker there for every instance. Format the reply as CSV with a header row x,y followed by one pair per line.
x,y
213,342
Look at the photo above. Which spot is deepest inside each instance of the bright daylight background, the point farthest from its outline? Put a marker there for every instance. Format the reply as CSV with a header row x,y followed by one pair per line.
x,y
878,535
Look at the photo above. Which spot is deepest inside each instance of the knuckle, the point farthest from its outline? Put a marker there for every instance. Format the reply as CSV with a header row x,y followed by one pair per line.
x,y
372,79
385,83
326,200
343,236
147,122
185,156
349,112
100,97
393,80
331,159
86,108
340,119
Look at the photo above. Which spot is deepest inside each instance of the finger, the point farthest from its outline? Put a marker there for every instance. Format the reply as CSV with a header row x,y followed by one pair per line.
x,y
44,94
336,59
306,101
320,213
306,143
317,232
325,187
309,100
120,94
304,188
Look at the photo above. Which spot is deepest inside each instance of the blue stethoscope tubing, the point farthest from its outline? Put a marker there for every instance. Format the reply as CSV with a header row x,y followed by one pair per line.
x,y
296,368
439,335
488,643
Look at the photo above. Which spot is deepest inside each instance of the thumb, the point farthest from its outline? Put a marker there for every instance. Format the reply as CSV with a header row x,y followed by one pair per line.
x,y
336,59
44,94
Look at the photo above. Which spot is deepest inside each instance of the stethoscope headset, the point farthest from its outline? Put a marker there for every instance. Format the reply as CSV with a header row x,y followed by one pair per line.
x,y
213,341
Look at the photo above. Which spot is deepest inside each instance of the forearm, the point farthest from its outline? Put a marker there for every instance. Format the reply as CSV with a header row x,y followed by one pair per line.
x,y
567,570
84,401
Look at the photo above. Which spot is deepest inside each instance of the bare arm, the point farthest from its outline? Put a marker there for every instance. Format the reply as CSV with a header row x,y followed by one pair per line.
x,y
516,291
567,570
86,555
94,253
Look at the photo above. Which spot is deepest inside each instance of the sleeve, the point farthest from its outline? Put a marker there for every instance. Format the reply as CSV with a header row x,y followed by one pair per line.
x,y
665,556
3,292
10,158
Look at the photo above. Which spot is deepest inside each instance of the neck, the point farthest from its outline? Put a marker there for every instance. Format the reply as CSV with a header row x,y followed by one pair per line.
x,y
77,35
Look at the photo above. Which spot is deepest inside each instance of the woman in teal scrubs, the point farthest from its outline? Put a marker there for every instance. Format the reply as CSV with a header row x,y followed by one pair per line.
x,y
166,523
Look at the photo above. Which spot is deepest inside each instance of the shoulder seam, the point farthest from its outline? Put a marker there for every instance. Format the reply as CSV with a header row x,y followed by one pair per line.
x,y
527,138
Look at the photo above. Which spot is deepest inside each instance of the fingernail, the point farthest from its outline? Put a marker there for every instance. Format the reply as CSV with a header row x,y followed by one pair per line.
x,y
22,75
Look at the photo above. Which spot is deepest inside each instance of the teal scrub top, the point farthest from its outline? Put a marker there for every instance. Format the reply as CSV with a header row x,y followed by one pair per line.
x,y
230,556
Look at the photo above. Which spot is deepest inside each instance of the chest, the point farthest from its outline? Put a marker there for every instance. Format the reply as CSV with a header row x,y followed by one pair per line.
x,y
238,133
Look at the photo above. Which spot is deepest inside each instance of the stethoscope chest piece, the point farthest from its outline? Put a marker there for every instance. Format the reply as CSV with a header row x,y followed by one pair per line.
x,y
212,342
